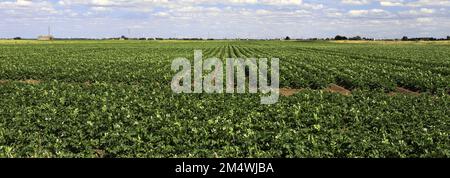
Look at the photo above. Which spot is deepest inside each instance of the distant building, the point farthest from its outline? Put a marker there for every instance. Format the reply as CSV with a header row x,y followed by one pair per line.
x,y
123,38
45,37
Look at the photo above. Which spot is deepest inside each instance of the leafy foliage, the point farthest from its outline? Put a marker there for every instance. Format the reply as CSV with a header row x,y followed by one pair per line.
x,y
113,99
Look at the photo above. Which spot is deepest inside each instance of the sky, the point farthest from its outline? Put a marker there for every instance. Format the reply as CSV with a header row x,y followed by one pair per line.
x,y
225,18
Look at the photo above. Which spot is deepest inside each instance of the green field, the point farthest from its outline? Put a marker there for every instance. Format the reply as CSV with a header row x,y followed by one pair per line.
x,y
113,99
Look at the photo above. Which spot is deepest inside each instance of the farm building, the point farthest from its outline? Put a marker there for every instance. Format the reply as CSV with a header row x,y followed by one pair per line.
x,y
45,37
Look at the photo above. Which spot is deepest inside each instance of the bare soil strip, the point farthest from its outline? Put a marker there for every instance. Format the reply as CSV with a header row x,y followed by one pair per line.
x,y
28,81
289,91
401,90
333,88
31,81
100,153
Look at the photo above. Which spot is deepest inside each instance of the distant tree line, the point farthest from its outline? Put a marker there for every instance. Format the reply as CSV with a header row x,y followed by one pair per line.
x,y
127,38
338,37
405,38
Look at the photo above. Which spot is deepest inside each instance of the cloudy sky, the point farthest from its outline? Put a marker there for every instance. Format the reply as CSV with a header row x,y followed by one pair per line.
x,y
225,18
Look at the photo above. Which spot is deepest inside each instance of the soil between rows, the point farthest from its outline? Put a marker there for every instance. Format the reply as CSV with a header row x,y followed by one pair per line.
x,y
287,92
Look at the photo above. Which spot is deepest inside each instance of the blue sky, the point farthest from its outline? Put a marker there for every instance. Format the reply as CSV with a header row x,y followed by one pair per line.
x,y
225,18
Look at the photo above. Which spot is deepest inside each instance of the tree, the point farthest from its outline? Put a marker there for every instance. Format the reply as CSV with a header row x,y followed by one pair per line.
x,y
448,37
287,38
17,38
356,38
405,38
339,37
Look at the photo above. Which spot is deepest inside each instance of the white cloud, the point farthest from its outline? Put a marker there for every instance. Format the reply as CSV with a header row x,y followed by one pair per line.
x,y
424,20
161,14
391,3
281,2
421,11
368,13
263,12
101,9
24,2
36,7
421,3
358,12
262,18
128,3
356,2
416,3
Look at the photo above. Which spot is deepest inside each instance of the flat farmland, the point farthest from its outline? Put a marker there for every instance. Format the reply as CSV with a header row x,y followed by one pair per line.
x,y
114,99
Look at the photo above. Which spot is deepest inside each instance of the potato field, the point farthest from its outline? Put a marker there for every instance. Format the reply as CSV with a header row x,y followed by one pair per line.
x,y
114,99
